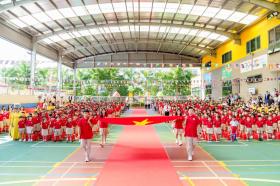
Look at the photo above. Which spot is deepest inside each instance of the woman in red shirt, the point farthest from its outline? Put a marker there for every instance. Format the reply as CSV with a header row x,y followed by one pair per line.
x,y
103,128
179,128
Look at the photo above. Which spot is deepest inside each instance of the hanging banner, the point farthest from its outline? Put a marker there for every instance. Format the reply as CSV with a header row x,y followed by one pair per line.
x,y
139,121
226,72
246,66
260,62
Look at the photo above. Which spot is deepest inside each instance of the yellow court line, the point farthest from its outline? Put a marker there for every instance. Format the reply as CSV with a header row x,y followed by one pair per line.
x,y
56,165
189,180
224,166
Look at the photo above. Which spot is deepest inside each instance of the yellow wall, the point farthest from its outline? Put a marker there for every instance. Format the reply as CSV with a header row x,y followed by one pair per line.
x,y
261,29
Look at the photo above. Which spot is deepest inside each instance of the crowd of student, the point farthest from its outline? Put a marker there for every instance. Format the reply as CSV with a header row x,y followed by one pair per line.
x,y
56,123
219,119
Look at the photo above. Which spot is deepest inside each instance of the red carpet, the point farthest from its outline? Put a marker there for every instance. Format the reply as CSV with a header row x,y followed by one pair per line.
x,y
139,159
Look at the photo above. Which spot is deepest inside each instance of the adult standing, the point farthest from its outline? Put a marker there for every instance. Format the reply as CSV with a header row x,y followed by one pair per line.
x,y
85,134
191,136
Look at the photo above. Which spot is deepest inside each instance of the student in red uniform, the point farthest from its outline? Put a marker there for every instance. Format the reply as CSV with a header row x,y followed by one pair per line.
x,y
260,124
85,134
103,128
29,128
36,122
233,128
6,115
1,121
248,126
94,121
69,130
269,127
45,129
179,128
217,128
192,123
57,129
210,130
21,128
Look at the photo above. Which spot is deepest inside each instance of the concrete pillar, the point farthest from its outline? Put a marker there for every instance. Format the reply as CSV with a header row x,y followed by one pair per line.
x,y
75,80
59,74
33,65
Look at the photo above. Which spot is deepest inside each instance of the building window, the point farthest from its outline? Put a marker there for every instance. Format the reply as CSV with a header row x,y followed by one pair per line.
x,y
208,90
253,45
227,88
226,57
208,64
274,40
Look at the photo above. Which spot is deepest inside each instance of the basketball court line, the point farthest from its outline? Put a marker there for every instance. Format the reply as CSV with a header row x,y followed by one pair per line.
x,y
231,178
46,180
217,177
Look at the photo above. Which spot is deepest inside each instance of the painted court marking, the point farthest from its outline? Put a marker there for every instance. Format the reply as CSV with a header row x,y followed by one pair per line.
x,y
231,178
46,180
5,139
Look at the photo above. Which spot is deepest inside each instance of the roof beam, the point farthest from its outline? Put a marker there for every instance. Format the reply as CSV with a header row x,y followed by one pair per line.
x,y
265,4
44,36
195,60
15,3
151,41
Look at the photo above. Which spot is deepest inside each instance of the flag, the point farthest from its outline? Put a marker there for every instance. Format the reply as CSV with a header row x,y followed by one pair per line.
x,y
139,121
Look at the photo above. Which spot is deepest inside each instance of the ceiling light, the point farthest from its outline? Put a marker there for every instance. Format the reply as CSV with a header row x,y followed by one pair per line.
x,y
67,12
119,7
144,28
248,19
210,12
222,38
80,11
145,7
204,34
198,10
171,7
93,9
158,7
106,8
223,14
193,32
213,36
174,30
54,14
18,23
236,16
29,20
55,38
185,9
65,36
42,17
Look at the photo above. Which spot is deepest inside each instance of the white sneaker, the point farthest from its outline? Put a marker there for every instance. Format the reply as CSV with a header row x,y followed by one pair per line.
x,y
189,158
20,140
180,143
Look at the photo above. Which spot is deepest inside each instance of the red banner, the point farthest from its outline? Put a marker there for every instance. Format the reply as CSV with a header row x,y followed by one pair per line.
x,y
139,121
